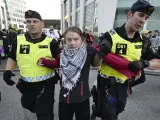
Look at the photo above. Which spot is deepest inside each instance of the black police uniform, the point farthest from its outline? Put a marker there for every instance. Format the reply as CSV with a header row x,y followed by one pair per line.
x,y
36,97
116,90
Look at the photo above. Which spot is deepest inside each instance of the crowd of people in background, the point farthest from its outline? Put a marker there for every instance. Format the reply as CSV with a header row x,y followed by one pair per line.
x,y
5,42
6,35
154,38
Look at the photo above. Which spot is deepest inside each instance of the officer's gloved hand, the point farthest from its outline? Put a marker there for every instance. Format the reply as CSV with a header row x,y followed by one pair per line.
x,y
135,66
104,48
7,77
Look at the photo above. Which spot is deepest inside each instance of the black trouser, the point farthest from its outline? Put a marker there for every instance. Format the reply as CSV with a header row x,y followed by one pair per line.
x,y
81,110
118,93
39,98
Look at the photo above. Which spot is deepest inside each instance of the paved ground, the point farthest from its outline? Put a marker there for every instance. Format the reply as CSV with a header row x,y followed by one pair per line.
x,y
3,65
142,105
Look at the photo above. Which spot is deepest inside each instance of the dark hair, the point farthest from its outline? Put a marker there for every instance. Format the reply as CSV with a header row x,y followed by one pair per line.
x,y
132,11
74,29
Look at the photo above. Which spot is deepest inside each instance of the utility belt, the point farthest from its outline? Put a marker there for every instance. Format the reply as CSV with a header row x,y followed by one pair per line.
x,y
22,85
100,94
36,92
117,80
110,78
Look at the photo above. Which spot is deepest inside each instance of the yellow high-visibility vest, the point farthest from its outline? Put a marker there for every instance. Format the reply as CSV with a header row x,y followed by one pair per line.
x,y
129,50
27,57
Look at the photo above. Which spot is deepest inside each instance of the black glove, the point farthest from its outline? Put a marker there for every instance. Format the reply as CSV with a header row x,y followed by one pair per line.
x,y
104,48
135,66
7,77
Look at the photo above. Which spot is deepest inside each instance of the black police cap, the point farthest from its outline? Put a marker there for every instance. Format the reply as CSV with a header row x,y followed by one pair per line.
x,y
32,14
143,6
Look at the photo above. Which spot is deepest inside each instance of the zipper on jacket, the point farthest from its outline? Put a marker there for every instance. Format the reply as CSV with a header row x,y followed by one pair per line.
x,y
34,63
68,97
81,87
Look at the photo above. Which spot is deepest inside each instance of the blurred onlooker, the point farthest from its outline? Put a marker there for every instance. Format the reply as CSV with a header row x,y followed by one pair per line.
x,y
53,34
1,50
91,38
86,36
11,34
155,34
20,32
60,38
100,37
155,40
159,33
6,43
146,34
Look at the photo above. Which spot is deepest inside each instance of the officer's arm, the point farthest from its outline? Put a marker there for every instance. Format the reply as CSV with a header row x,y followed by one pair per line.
x,y
54,47
11,62
119,62
57,35
146,61
104,49
116,61
154,64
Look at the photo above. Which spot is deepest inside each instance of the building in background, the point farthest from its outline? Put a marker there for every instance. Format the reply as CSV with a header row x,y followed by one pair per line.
x,y
51,24
3,17
15,13
88,14
100,15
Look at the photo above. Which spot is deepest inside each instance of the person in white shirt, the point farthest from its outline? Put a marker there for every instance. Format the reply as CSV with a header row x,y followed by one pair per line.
x,y
53,34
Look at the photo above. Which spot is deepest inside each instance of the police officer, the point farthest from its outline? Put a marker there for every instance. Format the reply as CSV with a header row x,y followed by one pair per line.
x,y
124,41
37,82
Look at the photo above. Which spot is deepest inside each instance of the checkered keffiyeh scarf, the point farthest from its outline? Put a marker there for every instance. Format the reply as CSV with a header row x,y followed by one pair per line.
x,y
71,64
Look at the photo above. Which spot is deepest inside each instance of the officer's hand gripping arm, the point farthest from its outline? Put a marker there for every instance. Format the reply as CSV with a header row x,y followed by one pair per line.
x,y
135,66
104,48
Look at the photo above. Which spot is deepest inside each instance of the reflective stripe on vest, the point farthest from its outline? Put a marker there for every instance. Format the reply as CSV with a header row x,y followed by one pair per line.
x,y
124,48
27,57
38,78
